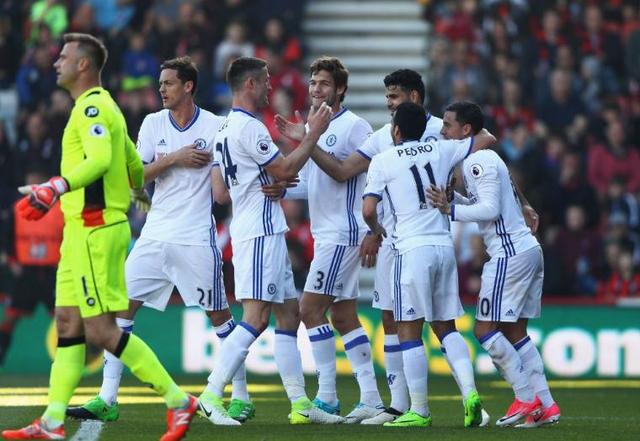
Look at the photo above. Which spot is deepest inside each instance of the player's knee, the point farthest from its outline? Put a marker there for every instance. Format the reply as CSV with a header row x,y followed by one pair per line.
x,y
441,329
344,323
483,328
310,315
389,323
219,317
68,325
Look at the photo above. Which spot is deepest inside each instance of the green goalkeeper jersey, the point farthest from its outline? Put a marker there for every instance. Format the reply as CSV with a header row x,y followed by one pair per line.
x,y
99,161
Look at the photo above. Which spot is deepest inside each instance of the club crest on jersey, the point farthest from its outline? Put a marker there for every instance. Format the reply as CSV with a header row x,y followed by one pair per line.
x,y
91,111
331,140
97,130
200,143
430,139
271,289
263,146
476,170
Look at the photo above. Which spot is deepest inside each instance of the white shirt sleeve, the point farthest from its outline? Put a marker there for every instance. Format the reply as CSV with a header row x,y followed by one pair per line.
x,y
258,143
360,132
145,145
455,149
371,146
459,199
376,180
487,206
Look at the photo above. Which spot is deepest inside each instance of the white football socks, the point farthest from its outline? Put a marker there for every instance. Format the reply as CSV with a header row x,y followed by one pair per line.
x,y
395,373
112,369
508,362
233,352
323,346
239,380
457,354
289,363
358,349
534,367
415,370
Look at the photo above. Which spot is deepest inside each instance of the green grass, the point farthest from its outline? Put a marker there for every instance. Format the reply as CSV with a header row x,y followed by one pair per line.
x,y
587,414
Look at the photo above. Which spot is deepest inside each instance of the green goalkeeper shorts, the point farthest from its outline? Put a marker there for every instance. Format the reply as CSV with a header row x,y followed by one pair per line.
x,y
91,269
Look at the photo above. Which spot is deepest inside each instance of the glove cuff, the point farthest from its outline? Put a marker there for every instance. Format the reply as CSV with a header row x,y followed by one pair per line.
x,y
59,184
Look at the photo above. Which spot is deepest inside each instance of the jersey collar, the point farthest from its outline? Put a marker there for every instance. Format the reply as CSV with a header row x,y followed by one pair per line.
x,y
341,112
238,109
189,124
88,92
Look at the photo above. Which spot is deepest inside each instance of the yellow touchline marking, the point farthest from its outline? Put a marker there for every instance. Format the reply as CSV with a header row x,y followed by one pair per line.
x,y
195,388
582,384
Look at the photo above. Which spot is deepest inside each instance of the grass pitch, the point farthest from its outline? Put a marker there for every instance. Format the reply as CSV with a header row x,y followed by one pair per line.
x,y
591,410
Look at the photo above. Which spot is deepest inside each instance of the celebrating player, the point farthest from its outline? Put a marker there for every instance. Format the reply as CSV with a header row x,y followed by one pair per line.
x,y
511,287
177,246
401,86
425,273
338,230
247,159
99,162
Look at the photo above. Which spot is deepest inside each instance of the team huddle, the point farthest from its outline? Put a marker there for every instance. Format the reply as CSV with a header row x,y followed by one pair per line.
x,y
378,199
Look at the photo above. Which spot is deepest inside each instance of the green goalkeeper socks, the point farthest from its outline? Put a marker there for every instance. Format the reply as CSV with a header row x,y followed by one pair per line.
x,y
144,364
66,372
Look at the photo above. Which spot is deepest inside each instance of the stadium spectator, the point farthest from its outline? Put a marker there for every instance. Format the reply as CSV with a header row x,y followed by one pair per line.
x,y
287,77
623,282
139,65
559,107
275,37
235,42
615,158
52,14
36,79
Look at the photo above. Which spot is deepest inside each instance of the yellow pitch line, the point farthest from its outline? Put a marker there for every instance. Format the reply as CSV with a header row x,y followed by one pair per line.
x,y
195,388
582,384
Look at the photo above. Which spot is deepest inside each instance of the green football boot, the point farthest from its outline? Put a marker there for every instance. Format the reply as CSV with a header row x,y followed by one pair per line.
x,y
95,409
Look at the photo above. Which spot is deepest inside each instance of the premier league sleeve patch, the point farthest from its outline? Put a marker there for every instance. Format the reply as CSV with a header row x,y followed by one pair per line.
x,y
476,170
97,130
263,146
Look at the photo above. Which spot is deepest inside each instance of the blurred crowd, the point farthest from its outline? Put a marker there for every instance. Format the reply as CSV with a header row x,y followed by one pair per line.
x,y
560,83
559,80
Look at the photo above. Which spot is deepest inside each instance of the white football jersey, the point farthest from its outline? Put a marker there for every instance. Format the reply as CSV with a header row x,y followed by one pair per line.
x,y
182,201
381,141
494,205
335,208
243,147
403,173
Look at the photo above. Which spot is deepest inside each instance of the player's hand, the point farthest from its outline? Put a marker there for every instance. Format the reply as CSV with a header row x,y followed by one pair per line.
x,y
277,190
189,156
531,218
292,130
140,199
40,198
319,119
438,197
369,248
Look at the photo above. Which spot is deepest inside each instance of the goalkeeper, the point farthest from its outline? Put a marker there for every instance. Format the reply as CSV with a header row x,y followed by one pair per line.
x,y
99,164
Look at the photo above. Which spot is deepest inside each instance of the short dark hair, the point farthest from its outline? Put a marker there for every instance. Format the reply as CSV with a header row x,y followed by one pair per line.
x,y
411,119
186,70
242,67
336,69
407,80
468,112
94,49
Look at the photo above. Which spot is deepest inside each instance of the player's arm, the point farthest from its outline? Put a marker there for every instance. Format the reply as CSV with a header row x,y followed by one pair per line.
x,y
370,213
339,170
285,168
376,184
459,199
134,165
187,156
531,217
482,140
220,191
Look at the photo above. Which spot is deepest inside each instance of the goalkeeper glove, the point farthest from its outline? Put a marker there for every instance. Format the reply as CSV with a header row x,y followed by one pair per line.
x,y
40,198
140,199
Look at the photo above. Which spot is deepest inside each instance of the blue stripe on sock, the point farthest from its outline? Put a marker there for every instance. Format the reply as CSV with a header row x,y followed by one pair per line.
x,y
406,345
392,348
293,334
250,328
356,341
226,333
323,333
522,342
487,336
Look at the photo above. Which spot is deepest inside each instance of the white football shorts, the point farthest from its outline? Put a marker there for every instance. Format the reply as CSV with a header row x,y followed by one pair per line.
x,y
262,270
334,271
383,283
153,269
511,287
426,285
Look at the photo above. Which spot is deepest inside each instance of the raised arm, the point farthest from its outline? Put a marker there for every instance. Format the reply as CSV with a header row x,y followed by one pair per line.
x,y
286,168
